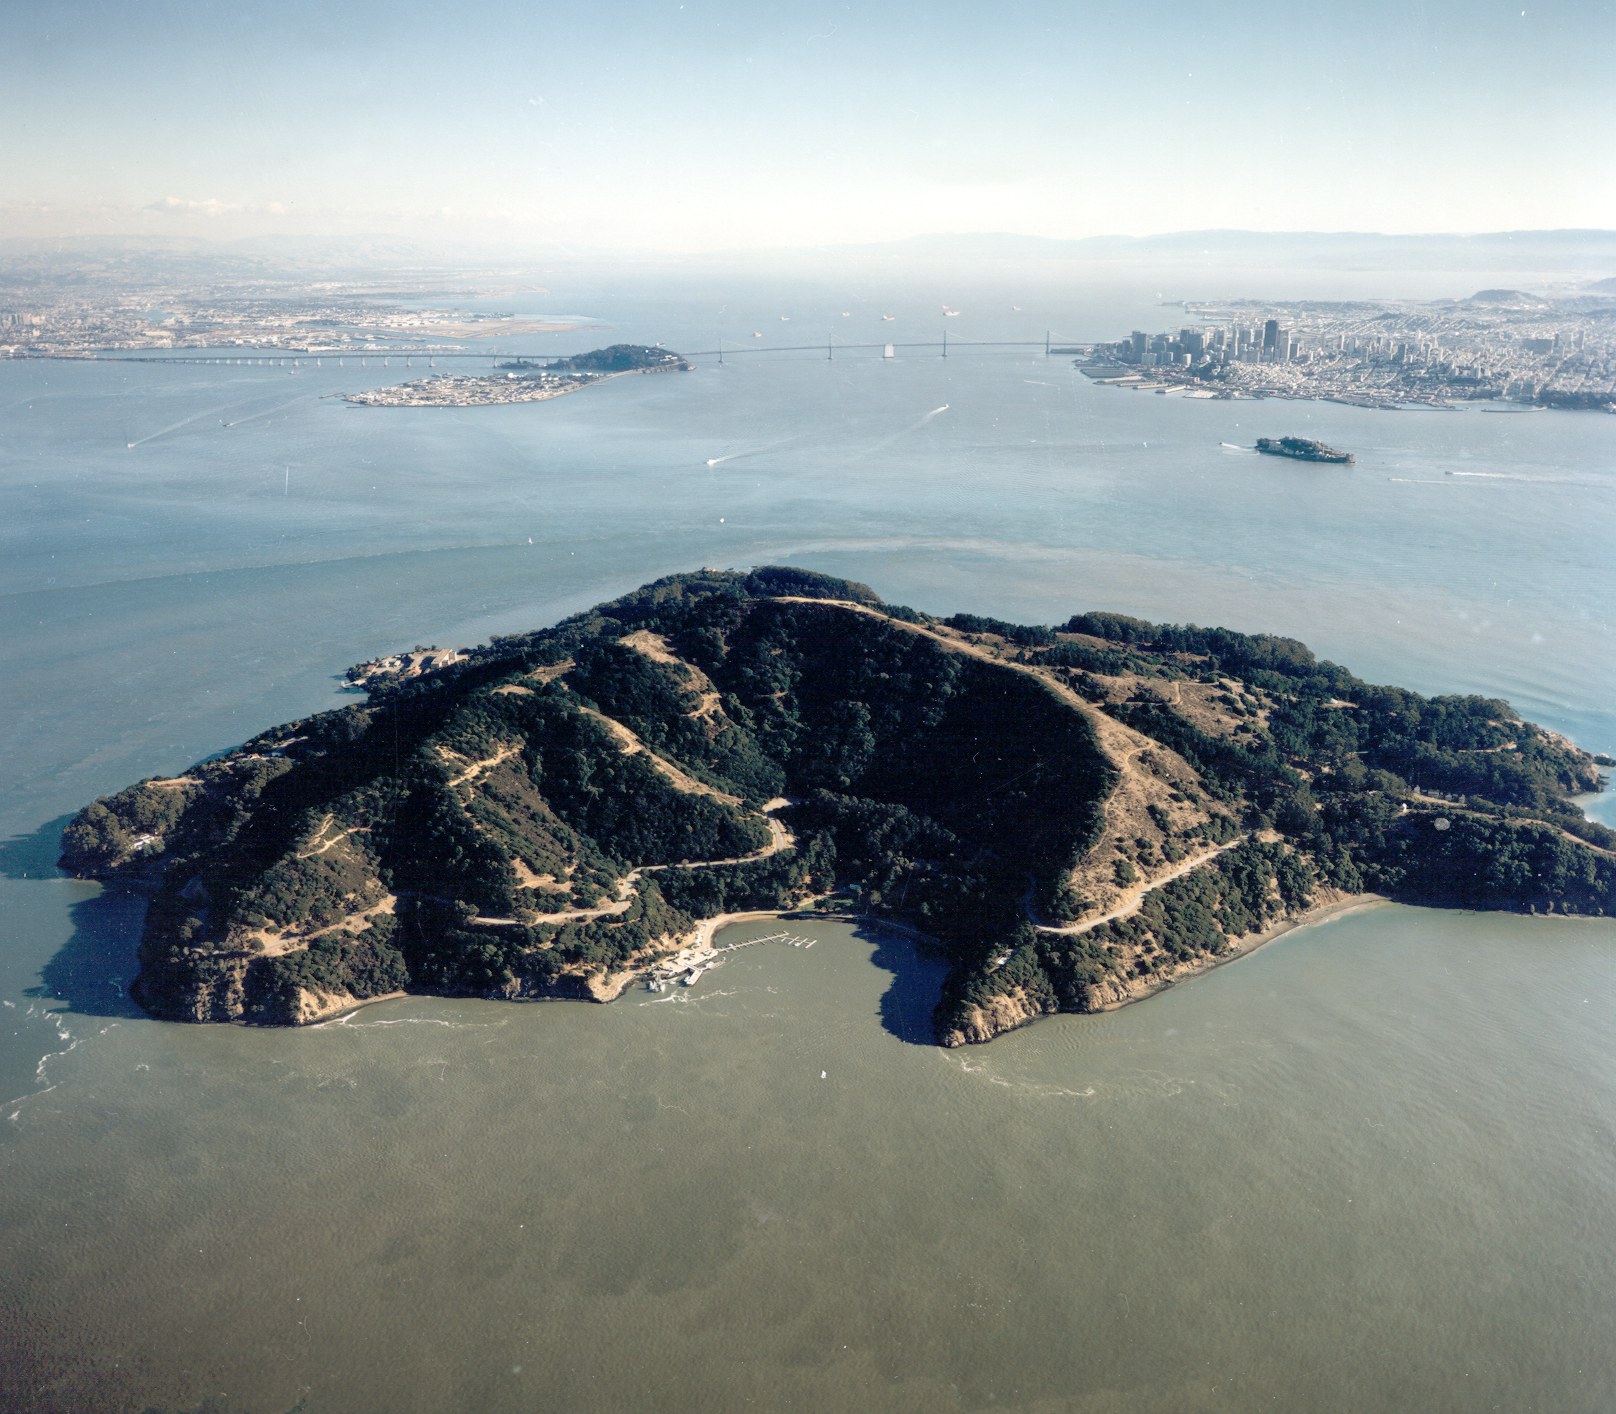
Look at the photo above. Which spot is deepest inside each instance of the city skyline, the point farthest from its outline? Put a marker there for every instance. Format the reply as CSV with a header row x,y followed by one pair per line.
x,y
706,126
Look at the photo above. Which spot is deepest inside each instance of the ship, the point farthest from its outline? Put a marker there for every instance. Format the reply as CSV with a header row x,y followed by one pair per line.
x,y
1303,449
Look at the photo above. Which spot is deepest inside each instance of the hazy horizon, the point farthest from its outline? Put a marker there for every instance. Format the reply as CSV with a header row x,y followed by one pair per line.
x,y
708,126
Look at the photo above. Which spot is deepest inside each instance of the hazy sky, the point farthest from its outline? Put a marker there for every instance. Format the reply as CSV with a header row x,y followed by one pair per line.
x,y
740,123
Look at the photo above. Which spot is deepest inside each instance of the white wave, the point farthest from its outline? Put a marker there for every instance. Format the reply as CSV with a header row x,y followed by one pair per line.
x,y
357,1021
48,1057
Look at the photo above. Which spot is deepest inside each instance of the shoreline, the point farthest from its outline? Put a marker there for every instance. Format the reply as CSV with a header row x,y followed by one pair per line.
x,y
520,394
1248,944
695,949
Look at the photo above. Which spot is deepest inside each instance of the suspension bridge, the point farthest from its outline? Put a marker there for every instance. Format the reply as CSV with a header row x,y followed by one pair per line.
x,y
941,347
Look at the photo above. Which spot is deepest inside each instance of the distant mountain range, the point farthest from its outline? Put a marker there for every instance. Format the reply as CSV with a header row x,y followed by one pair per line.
x,y
1559,251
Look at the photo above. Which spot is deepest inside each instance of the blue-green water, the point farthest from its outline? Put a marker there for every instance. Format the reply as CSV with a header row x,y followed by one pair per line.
x,y
1369,1168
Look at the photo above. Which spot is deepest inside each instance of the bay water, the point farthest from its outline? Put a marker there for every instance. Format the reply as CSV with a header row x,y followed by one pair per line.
x,y
1370,1167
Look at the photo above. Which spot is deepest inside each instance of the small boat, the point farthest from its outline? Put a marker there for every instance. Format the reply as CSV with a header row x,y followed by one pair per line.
x,y
889,317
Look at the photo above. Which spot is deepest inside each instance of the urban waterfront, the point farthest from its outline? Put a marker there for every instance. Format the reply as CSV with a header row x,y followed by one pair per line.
x,y
1235,1195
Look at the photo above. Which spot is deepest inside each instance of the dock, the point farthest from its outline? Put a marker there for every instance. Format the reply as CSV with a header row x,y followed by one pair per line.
x,y
685,969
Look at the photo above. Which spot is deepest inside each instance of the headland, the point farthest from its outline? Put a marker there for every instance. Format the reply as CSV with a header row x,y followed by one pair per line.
x,y
1502,347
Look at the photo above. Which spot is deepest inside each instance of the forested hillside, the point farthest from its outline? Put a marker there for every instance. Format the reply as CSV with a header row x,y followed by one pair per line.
x,y
1075,815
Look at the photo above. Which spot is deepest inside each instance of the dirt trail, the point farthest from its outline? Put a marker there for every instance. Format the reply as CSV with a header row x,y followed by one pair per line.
x,y
655,647
680,779
275,942
478,768
335,839
1135,897
1120,744
1454,808
779,838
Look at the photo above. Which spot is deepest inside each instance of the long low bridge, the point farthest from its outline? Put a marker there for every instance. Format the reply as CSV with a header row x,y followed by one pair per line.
x,y
1049,345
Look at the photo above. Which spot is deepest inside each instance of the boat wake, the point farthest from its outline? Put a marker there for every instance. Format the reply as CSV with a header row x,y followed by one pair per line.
x,y
755,451
903,432
187,421
254,416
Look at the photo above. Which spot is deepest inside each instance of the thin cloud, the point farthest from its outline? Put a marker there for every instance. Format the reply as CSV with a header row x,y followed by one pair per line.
x,y
211,207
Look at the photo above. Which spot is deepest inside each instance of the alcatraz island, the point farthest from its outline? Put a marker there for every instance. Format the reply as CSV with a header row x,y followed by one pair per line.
x,y
525,380
1074,816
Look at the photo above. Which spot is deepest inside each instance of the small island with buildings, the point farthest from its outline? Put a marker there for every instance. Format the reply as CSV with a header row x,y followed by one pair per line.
x,y
1303,449
525,380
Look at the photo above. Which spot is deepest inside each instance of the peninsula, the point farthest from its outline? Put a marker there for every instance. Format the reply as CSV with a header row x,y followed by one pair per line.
x,y
1506,348
525,380
1076,815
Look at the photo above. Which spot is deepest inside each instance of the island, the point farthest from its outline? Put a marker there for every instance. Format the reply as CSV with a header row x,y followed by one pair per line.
x,y
1302,449
1073,816
525,380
